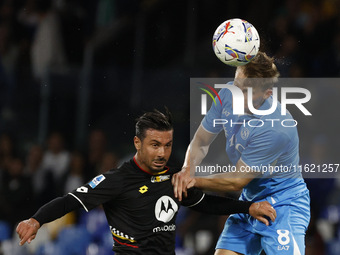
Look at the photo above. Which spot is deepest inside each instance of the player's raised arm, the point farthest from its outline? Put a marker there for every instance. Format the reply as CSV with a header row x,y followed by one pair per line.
x,y
196,152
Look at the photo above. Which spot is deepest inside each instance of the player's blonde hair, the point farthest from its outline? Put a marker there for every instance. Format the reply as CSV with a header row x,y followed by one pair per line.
x,y
262,66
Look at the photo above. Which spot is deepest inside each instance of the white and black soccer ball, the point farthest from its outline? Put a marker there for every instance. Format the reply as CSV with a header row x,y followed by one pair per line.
x,y
236,42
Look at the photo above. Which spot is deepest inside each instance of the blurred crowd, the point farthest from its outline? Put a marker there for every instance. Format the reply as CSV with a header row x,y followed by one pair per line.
x,y
47,172
141,55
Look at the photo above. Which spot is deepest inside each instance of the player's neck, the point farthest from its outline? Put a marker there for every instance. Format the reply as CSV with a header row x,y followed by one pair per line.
x,y
146,169
141,165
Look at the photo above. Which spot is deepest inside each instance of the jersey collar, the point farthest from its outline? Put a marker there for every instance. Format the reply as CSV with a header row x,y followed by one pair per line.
x,y
138,166
267,104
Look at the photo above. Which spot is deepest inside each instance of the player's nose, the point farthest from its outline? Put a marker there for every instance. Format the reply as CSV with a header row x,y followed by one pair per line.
x,y
161,152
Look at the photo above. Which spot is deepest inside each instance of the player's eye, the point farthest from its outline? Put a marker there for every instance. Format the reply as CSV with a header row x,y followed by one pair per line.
x,y
155,145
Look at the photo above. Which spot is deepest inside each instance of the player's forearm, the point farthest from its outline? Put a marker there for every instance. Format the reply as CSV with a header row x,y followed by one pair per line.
x,y
197,153
221,205
194,155
198,147
56,209
220,184
228,181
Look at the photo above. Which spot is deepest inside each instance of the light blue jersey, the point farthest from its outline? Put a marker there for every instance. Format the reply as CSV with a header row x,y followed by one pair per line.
x,y
267,143
262,142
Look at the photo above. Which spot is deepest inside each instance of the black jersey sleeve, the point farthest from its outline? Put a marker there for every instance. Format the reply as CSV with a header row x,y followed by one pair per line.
x,y
99,190
199,201
56,208
194,197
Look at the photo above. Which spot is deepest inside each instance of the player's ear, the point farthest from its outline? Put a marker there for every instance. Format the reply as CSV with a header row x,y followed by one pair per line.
x,y
268,93
137,142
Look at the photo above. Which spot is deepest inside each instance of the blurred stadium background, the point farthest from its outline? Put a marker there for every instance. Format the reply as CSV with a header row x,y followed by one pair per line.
x,y
74,74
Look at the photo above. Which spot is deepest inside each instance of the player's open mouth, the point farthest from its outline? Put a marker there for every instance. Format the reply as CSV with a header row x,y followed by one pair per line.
x,y
159,163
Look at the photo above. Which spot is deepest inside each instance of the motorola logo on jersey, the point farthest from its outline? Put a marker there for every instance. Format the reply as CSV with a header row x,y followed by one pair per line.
x,y
165,209
164,228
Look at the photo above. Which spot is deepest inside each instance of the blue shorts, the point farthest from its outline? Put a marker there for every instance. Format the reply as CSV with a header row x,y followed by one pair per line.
x,y
243,234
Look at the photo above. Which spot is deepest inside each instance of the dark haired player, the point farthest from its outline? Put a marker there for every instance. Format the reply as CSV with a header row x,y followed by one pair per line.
x,y
138,197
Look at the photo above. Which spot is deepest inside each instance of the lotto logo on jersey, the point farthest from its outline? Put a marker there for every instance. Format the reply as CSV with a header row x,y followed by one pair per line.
x,y
96,180
143,189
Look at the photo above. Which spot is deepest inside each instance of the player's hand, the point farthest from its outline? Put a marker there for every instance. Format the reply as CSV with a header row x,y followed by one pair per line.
x,y
182,182
27,230
260,210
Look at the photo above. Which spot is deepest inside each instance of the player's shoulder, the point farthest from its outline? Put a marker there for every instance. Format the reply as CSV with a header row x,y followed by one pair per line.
x,y
111,178
267,128
226,92
275,135
169,171
118,173
173,170
126,167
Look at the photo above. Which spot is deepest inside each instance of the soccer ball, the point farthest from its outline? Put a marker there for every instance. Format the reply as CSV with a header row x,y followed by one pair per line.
x,y
236,42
